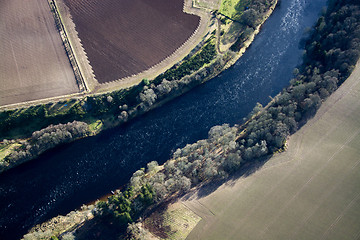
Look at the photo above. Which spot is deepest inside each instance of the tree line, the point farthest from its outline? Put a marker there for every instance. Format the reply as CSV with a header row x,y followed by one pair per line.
x,y
327,63
110,105
45,139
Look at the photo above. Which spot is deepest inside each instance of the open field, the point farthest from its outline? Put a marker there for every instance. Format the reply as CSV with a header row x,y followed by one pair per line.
x,y
309,192
228,7
33,62
122,38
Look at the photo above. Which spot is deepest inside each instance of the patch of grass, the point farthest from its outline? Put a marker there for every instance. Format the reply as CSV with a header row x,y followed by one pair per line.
x,y
174,223
96,126
234,8
228,7
232,32
60,107
181,221
209,4
7,149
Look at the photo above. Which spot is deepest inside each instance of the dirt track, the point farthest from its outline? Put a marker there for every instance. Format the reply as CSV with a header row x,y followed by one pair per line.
x,y
33,62
122,38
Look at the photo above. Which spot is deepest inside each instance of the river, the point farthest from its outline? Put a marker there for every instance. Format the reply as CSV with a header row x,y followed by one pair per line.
x,y
63,179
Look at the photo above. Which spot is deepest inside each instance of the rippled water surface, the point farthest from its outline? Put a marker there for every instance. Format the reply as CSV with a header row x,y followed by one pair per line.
x,y
71,175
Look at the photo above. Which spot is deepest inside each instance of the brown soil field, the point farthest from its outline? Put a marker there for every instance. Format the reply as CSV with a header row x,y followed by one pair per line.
x,y
123,38
33,62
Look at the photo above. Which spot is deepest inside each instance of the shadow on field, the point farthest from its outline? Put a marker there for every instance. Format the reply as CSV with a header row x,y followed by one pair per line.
x,y
245,171
98,229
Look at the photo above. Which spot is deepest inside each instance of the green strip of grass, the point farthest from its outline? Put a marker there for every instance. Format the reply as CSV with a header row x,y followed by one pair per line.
x,y
204,56
234,8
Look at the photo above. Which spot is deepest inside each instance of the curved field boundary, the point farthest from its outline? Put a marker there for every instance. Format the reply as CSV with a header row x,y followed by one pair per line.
x,y
87,71
170,60
308,192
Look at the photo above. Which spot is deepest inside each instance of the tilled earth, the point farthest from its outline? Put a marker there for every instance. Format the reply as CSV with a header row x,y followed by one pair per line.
x,y
122,38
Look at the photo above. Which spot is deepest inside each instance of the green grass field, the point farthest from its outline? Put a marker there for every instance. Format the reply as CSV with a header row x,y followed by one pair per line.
x,y
227,7
312,191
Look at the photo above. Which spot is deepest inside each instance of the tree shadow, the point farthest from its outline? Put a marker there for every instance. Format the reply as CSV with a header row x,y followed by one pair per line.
x,y
97,228
209,187
154,220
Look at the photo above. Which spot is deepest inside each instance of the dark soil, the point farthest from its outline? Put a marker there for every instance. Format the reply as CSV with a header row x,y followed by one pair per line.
x,y
122,38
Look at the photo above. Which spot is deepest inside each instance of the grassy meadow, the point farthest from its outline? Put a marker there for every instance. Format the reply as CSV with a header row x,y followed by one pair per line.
x,y
231,7
228,7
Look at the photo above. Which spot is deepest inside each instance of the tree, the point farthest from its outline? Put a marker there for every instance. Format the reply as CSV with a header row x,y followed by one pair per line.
x,y
184,184
250,17
232,162
160,191
298,92
151,166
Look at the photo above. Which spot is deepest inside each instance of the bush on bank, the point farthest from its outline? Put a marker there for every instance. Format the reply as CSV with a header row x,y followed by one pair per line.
x,y
227,149
45,139
103,106
112,108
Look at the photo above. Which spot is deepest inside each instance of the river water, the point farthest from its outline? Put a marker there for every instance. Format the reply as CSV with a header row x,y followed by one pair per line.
x,y
63,179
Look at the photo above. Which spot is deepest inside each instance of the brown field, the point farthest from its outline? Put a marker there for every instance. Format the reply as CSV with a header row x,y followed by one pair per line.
x,y
33,62
311,191
122,38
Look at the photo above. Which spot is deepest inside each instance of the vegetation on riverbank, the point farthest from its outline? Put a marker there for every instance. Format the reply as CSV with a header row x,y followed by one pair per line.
x,y
151,95
119,106
327,64
239,20
298,194
42,140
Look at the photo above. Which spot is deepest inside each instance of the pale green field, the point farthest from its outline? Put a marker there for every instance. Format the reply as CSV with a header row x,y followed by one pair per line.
x,y
208,4
228,7
312,191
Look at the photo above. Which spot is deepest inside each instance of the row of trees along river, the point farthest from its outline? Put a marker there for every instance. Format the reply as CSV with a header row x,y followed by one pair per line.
x,y
73,174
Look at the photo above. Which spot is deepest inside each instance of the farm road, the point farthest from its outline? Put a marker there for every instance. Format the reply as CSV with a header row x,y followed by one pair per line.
x,y
33,62
309,192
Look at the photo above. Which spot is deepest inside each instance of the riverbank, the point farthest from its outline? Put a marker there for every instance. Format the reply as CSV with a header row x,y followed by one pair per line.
x,y
105,162
152,94
303,183
228,148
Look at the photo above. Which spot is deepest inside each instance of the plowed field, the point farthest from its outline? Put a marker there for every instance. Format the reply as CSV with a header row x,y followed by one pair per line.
x,y
33,62
122,38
